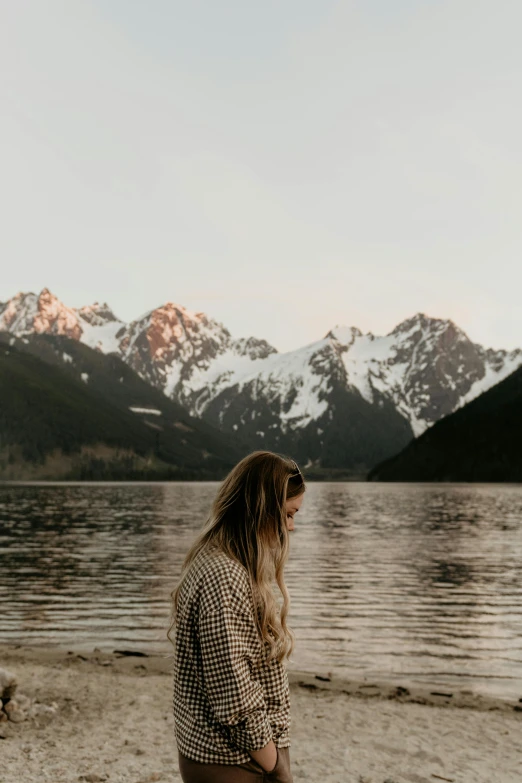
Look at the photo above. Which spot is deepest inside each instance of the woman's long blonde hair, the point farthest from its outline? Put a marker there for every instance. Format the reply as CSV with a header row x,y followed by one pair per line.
x,y
248,523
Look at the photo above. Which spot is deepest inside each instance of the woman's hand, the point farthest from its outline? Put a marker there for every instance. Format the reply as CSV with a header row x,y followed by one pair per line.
x,y
266,757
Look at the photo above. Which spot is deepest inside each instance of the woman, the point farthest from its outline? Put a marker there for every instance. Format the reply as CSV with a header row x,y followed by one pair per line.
x,y
231,639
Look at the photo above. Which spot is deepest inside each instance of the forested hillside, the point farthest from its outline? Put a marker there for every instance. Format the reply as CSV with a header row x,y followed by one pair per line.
x,y
479,442
81,414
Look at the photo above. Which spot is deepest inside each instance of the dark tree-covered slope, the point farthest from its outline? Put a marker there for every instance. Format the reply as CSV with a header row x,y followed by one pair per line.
x,y
480,442
66,413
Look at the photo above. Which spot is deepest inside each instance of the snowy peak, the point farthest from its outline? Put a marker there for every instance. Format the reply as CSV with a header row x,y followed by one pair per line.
x,y
53,317
252,347
345,335
423,342
426,366
422,328
440,363
27,313
168,344
422,322
101,329
97,314
17,315
43,314
172,331
172,344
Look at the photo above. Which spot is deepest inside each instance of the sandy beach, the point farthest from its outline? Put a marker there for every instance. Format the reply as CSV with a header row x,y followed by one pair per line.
x,y
107,717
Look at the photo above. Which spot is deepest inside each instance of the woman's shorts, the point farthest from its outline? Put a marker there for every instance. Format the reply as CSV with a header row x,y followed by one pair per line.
x,y
250,772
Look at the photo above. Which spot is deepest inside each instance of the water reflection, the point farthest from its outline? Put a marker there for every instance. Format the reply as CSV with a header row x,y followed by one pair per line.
x,y
390,581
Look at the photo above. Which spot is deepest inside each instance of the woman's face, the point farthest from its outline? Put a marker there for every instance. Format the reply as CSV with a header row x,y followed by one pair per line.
x,y
292,507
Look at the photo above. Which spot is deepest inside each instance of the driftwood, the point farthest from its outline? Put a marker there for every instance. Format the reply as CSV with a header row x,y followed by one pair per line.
x,y
135,653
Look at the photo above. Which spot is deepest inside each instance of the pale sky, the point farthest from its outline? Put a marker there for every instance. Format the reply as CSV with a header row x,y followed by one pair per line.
x,y
283,166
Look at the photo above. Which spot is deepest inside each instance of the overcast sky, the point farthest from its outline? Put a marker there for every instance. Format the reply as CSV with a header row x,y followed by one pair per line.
x,y
282,165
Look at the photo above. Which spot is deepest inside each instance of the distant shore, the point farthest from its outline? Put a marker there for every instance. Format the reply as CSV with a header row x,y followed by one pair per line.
x,y
150,477
111,720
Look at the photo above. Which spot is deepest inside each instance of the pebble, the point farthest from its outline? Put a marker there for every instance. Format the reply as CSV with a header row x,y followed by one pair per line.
x,y
44,709
17,716
23,700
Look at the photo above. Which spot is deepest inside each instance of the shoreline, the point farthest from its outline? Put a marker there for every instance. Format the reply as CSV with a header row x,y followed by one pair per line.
x,y
130,661
104,717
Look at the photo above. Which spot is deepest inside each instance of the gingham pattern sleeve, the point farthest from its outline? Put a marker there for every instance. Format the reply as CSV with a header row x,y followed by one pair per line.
x,y
226,638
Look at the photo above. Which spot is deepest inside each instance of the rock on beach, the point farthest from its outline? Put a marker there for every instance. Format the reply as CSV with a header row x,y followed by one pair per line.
x,y
8,685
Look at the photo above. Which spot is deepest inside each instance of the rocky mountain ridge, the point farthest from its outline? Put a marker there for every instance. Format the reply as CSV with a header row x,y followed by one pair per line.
x,y
349,397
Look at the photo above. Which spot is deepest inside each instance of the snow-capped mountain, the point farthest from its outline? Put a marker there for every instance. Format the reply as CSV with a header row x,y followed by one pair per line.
x,y
428,367
96,325
28,313
170,345
347,399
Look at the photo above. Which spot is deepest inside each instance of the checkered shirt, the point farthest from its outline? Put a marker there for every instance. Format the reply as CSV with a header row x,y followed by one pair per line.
x,y
224,704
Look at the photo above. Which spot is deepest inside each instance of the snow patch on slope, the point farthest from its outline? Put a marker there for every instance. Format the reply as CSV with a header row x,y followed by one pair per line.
x,y
103,337
276,378
492,376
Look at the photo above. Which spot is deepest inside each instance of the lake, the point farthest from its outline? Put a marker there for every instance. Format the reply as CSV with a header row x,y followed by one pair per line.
x,y
418,582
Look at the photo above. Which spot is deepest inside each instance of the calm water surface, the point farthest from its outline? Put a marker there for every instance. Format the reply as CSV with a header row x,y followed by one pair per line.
x,y
392,581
